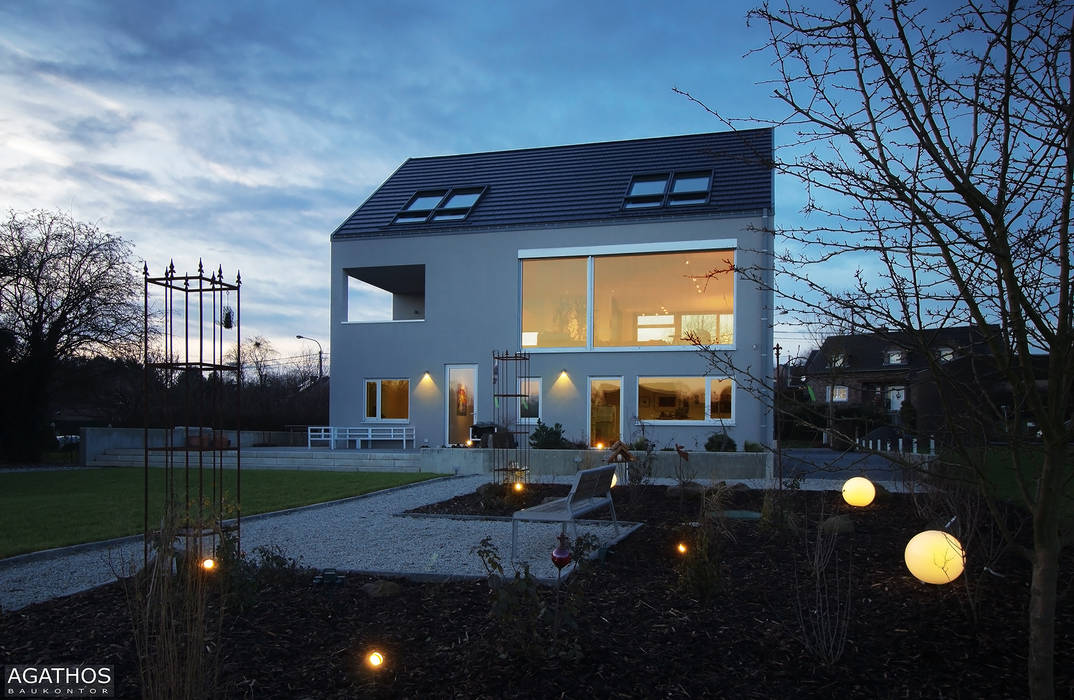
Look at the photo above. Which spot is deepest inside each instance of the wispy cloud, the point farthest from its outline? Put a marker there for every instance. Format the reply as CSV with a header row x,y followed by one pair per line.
x,y
244,133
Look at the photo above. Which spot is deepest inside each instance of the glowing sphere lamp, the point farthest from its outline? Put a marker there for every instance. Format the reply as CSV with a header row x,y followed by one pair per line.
x,y
518,486
859,491
208,563
682,548
934,556
375,659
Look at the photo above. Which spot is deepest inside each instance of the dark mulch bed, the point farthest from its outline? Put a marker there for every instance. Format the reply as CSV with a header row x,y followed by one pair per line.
x,y
640,634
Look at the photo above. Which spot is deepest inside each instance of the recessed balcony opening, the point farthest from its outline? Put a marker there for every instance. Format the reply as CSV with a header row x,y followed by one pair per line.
x,y
385,293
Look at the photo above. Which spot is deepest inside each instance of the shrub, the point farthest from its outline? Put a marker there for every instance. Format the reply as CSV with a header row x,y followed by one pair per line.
x,y
751,446
546,437
720,442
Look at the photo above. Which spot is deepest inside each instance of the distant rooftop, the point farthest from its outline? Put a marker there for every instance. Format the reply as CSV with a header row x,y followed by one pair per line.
x,y
577,184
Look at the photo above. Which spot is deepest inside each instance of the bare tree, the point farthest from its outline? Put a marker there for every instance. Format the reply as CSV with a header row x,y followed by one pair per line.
x,y
67,289
258,357
936,148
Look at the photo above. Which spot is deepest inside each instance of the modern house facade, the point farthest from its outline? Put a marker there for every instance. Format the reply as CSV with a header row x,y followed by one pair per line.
x,y
600,261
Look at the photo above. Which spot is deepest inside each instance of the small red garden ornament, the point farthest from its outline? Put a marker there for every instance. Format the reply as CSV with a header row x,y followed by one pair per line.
x,y
561,555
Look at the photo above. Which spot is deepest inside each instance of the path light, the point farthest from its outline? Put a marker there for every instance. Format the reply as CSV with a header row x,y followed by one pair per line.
x,y
933,556
859,491
682,548
518,486
208,563
600,445
374,660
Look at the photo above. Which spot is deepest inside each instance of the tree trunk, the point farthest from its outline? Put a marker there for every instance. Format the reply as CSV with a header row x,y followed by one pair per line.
x,y
1042,592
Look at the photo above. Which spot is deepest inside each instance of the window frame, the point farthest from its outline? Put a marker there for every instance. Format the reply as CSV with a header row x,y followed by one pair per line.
x,y
833,391
377,381
902,354
439,212
527,420
669,196
708,420
593,252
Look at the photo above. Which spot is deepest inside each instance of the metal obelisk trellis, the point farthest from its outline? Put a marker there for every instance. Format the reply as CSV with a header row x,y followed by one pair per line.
x,y
194,394
510,442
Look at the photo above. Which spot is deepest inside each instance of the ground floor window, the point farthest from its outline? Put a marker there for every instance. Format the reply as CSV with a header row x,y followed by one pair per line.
x,y
605,410
700,399
387,399
529,399
838,393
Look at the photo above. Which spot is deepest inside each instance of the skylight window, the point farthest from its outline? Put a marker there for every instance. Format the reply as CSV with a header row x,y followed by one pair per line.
x,y
439,205
661,189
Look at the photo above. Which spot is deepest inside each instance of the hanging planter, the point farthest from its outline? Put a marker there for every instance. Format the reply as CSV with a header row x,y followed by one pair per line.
x,y
227,317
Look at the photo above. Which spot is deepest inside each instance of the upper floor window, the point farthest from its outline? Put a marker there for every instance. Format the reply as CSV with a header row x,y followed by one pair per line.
x,y
945,354
668,189
632,300
838,359
895,356
439,205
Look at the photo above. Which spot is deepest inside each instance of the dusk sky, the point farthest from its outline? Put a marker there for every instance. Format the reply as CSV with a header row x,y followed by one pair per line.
x,y
244,133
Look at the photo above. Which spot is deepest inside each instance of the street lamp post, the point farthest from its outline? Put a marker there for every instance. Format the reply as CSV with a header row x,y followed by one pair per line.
x,y
320,355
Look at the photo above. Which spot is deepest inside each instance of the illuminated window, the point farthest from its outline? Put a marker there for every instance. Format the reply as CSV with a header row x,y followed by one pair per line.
x,y
696,399
439,205
838,394
387,399
529,399
663,299
554,312
605,410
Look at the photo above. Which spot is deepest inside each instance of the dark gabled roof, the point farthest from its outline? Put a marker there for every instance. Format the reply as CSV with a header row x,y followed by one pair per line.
x,y
866,352
574,184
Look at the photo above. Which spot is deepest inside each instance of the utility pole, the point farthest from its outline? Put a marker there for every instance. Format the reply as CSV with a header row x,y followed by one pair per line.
x,y
775,418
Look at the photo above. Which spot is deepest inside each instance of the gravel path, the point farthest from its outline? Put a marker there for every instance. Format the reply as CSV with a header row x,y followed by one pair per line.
x,y
365,534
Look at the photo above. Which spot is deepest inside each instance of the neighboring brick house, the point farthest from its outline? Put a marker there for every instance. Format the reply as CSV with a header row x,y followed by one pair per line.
x,y
594,258
880,373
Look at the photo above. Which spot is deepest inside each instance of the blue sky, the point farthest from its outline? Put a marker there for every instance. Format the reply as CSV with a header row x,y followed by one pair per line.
x,y
244,133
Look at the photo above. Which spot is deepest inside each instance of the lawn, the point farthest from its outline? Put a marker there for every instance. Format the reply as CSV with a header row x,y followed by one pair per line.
x,y
45,509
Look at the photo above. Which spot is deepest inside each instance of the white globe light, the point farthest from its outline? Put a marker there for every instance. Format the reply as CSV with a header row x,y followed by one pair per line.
x,y
859,491
933,556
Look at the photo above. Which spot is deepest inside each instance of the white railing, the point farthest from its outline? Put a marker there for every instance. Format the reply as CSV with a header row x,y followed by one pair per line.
x,y
333,434
899,446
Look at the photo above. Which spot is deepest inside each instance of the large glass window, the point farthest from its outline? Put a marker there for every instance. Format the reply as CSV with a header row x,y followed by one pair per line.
x,y
387,399
639,300
701,399
663,299
554,312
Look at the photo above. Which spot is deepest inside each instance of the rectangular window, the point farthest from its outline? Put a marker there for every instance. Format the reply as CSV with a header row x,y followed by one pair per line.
x,y
895,357
529,399
663,299
838,394
554,309
605,410
691,399
652,190
387,399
